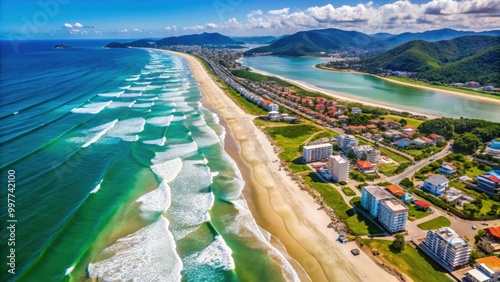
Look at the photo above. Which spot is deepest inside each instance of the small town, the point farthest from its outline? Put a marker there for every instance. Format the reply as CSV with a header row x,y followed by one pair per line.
x,y
405,184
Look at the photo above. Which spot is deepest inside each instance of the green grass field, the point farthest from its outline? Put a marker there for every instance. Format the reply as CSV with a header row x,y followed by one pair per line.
x,y
410,121
387,169
417,214
348,192
408,261
435,223
395,157
359,224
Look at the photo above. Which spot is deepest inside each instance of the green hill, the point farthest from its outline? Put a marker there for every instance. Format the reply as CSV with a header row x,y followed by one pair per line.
x,y
315,41
191,39
458,60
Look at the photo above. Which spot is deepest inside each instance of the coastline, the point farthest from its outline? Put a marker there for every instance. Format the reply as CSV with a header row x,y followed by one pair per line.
x,y
277,203
429,88
344,97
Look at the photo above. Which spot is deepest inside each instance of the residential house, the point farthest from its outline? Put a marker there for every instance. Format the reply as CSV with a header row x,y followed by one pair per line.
x,y
422,205
487,270
491,242
365,167
473,84
343,118
427,140
447,248
393,135
395,190
356,128
436,138
489,182
356,111
436,184
407,198
320,107
446,168
419,143
320,100
402,143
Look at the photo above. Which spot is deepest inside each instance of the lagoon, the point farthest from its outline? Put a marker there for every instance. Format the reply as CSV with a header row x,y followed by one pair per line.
x,y
373,89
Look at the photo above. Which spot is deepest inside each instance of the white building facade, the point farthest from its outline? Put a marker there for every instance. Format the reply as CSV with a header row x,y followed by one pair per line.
x,y
338,167
436,184
317,152
393,215
347,142
446,247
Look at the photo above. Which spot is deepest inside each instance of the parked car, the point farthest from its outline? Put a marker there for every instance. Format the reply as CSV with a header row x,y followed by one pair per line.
x,y
474,227
355,252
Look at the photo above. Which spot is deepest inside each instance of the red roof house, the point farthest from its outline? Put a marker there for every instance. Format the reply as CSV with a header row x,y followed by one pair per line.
x,y
395,190
422,204
364,166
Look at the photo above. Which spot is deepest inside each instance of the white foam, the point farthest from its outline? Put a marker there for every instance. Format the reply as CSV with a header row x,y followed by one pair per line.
x,y
155,202
124,87
179,118
111,94
128,129
98,186
146,255
120,105
145,72
159,142
137,88
131,104
69,270
148,99
132,95
132,79
102,129
142,82
160,121
91,108
167,170
216,255
144,105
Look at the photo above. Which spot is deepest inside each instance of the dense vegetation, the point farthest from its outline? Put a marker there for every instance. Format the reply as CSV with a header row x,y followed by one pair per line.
x,y
468,58
192,39
468,133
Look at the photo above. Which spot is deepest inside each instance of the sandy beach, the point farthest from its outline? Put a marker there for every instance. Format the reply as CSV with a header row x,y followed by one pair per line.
x,y
277,203
448,92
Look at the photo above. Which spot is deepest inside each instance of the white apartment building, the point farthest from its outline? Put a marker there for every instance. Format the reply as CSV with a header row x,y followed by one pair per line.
x,y
436,184
338,167
371,196
447,248
371,154
347,142
318,152
392,215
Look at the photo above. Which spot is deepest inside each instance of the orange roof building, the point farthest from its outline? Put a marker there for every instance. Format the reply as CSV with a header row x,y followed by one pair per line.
x,y
395,190
492,262
494,231
364,165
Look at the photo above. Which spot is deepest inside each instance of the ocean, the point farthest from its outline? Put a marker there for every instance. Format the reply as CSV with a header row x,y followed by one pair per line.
x,y
120,172
374,89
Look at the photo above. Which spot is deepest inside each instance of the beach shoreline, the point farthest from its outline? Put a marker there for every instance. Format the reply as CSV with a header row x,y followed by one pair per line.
x,y
429,88
276,202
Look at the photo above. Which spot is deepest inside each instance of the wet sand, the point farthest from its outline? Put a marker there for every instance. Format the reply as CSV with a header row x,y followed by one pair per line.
x,y
277,203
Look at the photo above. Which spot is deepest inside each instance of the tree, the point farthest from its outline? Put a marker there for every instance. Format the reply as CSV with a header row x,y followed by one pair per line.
x,y
493,209
403,122
399,243
480,234
407,183
467,143
470,210
474,255
441,126
441,144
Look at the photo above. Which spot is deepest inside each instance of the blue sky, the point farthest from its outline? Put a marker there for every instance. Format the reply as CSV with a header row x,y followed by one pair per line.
x,y
154,19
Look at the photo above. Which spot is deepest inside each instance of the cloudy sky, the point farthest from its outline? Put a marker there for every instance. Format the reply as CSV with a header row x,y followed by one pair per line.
x,y
161,18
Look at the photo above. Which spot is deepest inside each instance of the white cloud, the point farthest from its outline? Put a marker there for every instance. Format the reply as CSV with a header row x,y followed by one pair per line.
x,y
283,11
211,25
194,28
137,30
68,25
78,25
171,28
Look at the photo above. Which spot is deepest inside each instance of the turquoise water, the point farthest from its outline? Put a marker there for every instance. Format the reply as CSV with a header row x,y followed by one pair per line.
x,y
121,172
373,89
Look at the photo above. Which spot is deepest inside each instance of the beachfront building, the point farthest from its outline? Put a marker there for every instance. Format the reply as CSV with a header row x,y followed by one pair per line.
x,y
318,152
371,196
392,215
389,211
436,184
347,142
338,168
447,248
367,152
487,270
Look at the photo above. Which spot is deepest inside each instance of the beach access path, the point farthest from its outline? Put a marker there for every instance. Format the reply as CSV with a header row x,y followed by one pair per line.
x,y
277,203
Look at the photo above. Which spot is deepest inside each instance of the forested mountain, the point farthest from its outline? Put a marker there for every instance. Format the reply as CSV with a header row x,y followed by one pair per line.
x,y
192,39
468,58
315,41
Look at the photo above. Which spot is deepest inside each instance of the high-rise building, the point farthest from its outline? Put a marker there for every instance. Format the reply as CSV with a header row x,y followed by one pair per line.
x,y
371,196
393,214
317,152
338,168
347,142
447,248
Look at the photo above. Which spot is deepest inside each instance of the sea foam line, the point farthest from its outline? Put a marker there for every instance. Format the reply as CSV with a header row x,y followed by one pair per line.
x,y
107,127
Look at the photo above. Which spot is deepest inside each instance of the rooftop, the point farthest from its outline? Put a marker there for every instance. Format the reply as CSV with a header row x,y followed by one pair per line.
x,y
450,236
364,164
377,192
491,262
395,189
494,230
478,275
437,179
339,159
422,204
395,205
309,147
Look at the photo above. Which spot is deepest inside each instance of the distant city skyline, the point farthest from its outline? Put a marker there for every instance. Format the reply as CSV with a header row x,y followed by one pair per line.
x,y
127,19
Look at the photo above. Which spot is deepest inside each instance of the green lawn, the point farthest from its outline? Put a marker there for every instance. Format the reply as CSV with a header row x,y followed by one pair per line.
x,y
435,223
395,157
348,192
387,169
474,172
408,261
358,223
414,152
417,214
290,137
327,134
410,121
